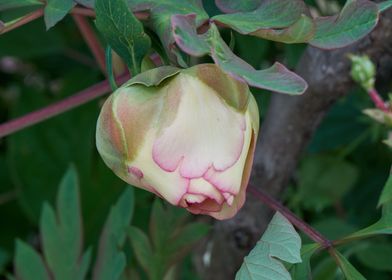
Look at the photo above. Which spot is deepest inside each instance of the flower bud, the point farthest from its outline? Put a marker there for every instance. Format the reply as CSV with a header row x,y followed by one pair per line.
x,y
363,71
187,136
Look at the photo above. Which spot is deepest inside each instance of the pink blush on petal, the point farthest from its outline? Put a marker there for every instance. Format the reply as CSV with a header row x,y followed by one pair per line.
x,y
135,172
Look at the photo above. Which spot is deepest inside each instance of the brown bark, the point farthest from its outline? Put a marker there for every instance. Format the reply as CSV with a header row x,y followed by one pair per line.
x,y
285,132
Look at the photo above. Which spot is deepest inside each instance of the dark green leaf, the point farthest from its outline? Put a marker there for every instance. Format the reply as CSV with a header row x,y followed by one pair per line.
x,y
279,241
28,263
347,268
142,248
377,255
10,4
276,78
111,259
87,3
302,271
383,6
56,10
386,195
357,19
122,31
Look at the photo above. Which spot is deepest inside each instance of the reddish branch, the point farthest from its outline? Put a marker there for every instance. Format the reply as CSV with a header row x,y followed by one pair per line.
x,y
377,100
23,20
55,109
91,40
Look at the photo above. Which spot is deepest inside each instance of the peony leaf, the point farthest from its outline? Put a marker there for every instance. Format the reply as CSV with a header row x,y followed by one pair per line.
x,y
356,20
386,195
302,270
279,241
276,78
383,6
232,6
56,10
349,271
28,263
153,77
122,31
111,259
11,4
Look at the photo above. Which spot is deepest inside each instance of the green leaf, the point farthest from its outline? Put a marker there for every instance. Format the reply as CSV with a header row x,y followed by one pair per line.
x,y
122,31
111,259
377,255
87,3
142,248
279,241
56,10
323,180
62,234
153,77
347,268
386,195
383,6
28,263
232,6
11,4
356,20
277,20
161,12
302,270
276,78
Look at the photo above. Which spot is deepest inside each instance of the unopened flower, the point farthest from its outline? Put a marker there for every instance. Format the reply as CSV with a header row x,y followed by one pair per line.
x,y
187,136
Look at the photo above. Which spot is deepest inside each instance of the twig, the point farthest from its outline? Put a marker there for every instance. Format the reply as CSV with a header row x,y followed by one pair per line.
x,y
377,100
55,109
23,20
277,206
91,40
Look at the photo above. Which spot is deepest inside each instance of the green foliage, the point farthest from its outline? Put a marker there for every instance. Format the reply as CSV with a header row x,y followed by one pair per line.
x,y
170,239
281,241
12,4
347,268
383,6
376,255
111,260
56,10
302,270
122,31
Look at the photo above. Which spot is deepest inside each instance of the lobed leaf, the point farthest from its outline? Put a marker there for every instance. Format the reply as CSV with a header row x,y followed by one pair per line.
x,y
383,6
111,259
276,78
28,263
302,270
56,10
356,20
279,241
122,31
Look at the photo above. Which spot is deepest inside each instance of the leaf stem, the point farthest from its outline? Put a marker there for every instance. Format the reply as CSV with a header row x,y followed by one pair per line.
x,y
378,101
91,40
57,108
295,220
22,21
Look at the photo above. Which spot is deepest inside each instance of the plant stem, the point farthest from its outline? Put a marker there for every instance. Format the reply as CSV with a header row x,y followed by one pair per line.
x,y
55,109
22,21
91,40
377,100
295,220
91,13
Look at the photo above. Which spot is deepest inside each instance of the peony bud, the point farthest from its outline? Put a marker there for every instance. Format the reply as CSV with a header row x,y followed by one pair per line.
x,y
186,135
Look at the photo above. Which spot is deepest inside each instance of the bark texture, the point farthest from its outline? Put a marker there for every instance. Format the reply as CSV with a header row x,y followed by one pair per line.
x,y
285,132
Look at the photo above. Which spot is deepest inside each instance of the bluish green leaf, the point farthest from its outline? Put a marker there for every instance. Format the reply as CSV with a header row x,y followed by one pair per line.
x,y
349,271
62,233
142,247
356,20
279,241
28,263
276,78
87,3
122,31
111,259
383,6
56,10
11,4
232,6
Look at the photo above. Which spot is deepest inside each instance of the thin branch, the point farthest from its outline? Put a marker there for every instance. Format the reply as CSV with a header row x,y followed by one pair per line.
x,y
22,21
295,220
378,101
55,109
91,40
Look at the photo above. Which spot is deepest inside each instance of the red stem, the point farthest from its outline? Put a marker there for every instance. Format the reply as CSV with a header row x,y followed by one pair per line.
x,y
91,40
22,21
377,100
62,106
295,220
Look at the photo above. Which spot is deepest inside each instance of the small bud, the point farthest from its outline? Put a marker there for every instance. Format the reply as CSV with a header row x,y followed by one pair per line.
x,y
363,71
188,137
